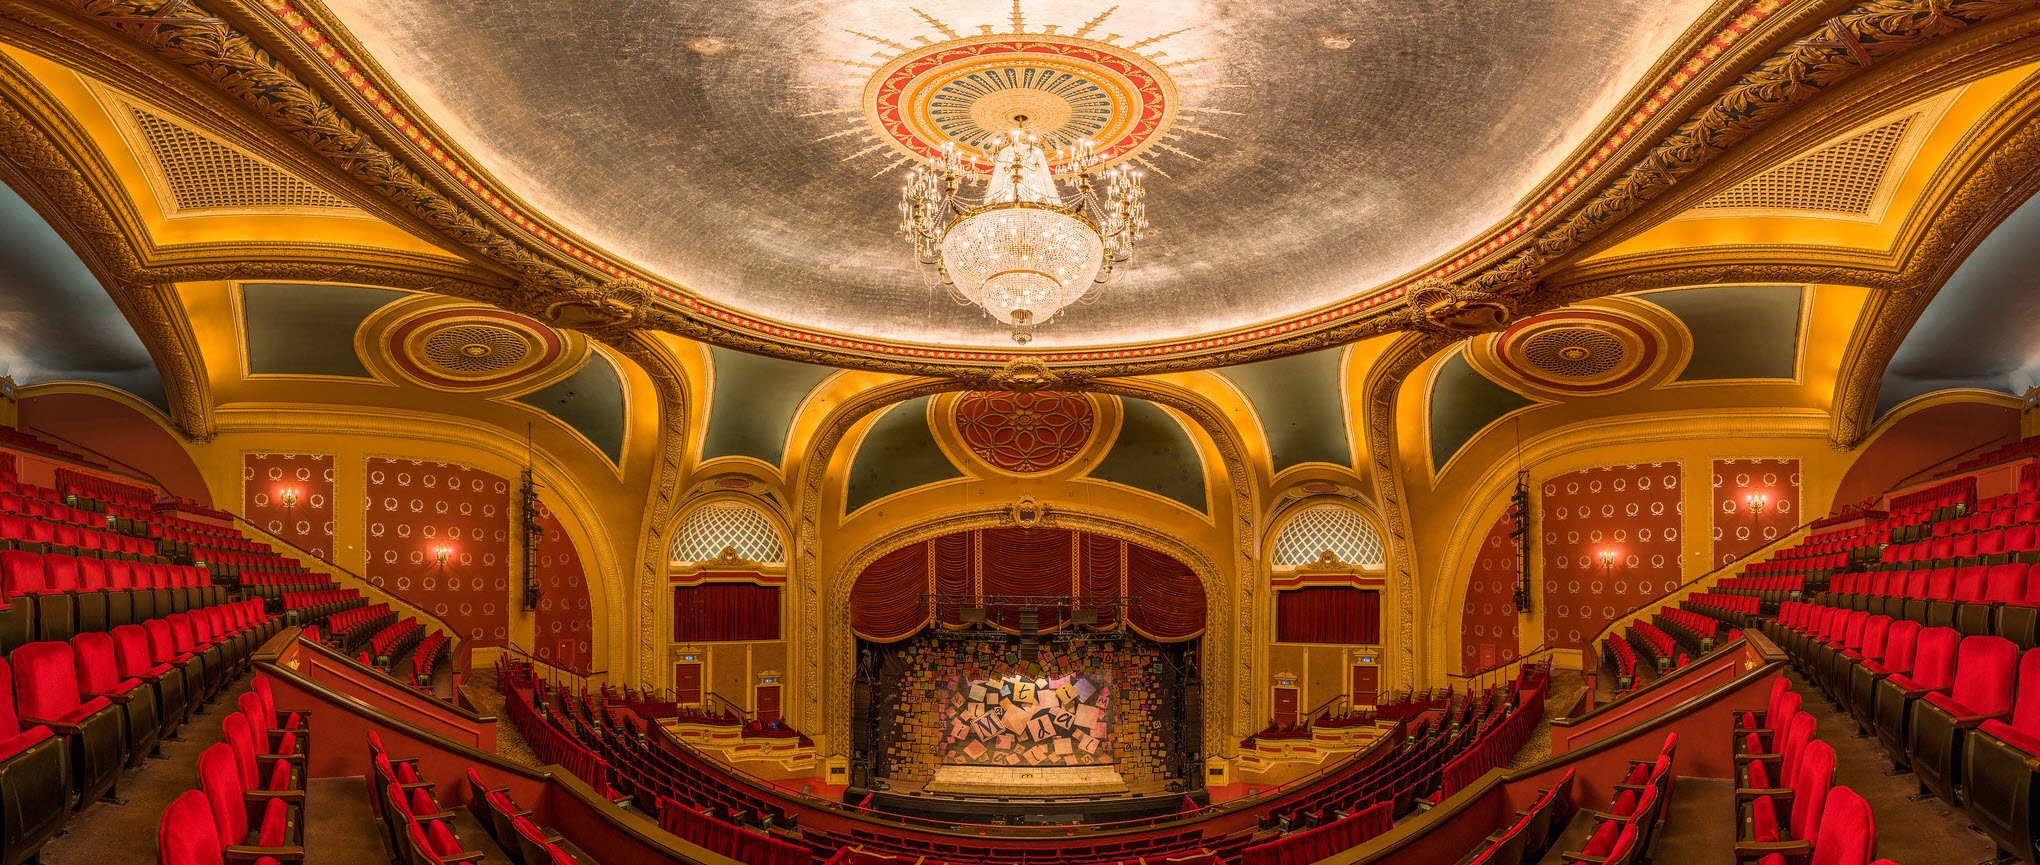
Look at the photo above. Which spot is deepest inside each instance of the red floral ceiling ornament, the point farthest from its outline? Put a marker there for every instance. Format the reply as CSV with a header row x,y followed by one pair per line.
x,y
1024,432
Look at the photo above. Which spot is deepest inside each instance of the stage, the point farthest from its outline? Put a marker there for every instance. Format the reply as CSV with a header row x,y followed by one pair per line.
x,y
1026,781
1000,806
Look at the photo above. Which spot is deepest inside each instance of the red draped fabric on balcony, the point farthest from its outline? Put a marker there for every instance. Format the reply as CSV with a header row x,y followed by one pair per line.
x,y
886,603
725,611
1328,615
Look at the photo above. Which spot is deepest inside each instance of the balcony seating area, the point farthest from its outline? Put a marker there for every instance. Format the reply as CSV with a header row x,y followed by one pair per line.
x,y
17,439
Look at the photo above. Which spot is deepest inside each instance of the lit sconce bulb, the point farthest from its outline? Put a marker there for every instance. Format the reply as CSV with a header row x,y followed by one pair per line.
x,y
1756,501
1607,558
289,496
442,552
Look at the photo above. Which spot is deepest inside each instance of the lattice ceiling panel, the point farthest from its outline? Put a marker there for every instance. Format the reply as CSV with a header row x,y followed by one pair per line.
x,y
1842,177
1328,527
728,524
204,174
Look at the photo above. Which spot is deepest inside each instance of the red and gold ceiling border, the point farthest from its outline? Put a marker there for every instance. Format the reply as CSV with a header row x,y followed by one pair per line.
x,y
438,186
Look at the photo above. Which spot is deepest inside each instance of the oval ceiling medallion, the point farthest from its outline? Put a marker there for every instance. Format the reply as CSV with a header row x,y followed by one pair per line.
x,y
1579,352
472,348
968,92
1024,433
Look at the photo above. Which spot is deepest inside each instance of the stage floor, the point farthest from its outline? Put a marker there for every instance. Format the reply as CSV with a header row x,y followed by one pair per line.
x,y
957,780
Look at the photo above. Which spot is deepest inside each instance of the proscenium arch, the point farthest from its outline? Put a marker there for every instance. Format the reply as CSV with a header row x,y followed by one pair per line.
x,y
1216,651
1229,627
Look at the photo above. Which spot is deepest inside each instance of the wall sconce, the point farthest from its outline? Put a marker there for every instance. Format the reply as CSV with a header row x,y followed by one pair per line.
x,y
442,552
288,496
1607,559
1756,503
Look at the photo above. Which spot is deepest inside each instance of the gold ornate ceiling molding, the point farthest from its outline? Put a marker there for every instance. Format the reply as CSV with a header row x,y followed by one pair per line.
x,y
1384,382
1759,62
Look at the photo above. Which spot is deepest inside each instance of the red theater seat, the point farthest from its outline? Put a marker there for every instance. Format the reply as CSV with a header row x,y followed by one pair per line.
x,y
1984,675
46,692
35,780
99,676
253,818
1933,670
1999,757
188,835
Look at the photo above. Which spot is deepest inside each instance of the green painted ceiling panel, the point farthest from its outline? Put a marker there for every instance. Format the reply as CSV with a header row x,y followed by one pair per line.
x,y
590,401
1464,402
56,322
1154,453
1739,331
898,454
1301,405
298,329
755,398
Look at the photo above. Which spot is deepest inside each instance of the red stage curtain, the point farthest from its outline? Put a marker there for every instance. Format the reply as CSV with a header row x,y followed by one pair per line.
x,y
1334,614
725,611
885,604
1169,599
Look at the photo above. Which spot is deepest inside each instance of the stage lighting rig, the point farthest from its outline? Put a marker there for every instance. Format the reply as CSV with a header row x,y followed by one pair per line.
x,y
1519,516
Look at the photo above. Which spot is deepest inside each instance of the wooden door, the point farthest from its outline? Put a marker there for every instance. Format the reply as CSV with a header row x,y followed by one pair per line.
x,y
1285,706
563,655
687,684
1366,682
768,703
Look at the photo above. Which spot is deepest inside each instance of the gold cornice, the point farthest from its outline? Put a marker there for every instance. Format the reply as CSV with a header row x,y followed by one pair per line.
x,y
1739,100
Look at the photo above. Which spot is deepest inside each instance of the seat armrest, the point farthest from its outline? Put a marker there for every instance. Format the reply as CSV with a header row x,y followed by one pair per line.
x,y
129,697
288,758
1759,758
1575,857
469,856
1760,849
56,727
1745,794
1973,721
297,796
236,854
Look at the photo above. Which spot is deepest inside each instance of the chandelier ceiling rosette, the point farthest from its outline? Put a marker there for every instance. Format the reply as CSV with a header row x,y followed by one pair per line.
x,y
1023,250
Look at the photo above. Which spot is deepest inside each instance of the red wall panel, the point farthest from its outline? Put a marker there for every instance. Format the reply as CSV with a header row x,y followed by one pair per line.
x,y
309,521
1738,532
82,420
1488,627
565,633
414,506
1631,511
1920,440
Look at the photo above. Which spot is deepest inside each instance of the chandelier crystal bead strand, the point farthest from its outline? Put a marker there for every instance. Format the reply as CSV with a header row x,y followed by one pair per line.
x,y
1023,251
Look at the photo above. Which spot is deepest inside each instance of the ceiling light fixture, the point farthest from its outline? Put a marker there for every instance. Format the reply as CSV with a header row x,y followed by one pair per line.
x,y
1023,251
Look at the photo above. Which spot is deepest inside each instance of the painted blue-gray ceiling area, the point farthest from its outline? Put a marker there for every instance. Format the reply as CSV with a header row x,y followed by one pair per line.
x,y
56,322
1153,452
1983,329
590,401
1739,331
1464,402
755,397
308,329
1301,406
899,453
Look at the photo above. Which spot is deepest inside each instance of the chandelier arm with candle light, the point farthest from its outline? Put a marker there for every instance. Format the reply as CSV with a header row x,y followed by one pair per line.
x,y
1023,251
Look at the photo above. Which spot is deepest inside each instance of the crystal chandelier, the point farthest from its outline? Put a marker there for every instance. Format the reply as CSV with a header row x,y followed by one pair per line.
x,y
1023,251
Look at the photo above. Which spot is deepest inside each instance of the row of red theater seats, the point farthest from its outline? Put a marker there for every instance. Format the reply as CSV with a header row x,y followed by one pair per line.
x,y
1993,518
11,437
238,813
2003,600
75,714
1782,768
53,596
316,606
2020,543
29,533
1720,604
1810,564
1623,834
1962,712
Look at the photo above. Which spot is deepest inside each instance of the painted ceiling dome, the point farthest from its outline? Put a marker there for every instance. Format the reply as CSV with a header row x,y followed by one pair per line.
x,y
1304,162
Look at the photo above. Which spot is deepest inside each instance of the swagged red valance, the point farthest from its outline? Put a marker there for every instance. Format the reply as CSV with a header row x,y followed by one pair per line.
x,y
886,604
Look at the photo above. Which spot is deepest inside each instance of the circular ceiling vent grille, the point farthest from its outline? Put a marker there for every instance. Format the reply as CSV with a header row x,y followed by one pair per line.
x,y
1574,352
476,349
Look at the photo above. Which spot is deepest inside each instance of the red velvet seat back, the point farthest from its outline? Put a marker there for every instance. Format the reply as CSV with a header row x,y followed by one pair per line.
x,y
2026,706
1934,659
2005,583
242,741
91,575
1916,584
45,680
158,576
1852,629
1940,584
182,637
98,666
251,708
1797,733
221,781
187,834
1810,783
1969,583
1847,832
162,641
1983,674
1900,643
119,574
131,651
21,571
1874,630
10,720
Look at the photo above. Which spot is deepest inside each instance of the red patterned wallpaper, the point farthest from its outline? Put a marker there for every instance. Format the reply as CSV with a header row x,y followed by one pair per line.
x,y
414,507
564,630
1736,530
1488,627
308,521
1631,511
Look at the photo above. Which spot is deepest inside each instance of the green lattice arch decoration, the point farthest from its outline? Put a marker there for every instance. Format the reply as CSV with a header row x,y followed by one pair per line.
x,y
735,525
1328,527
